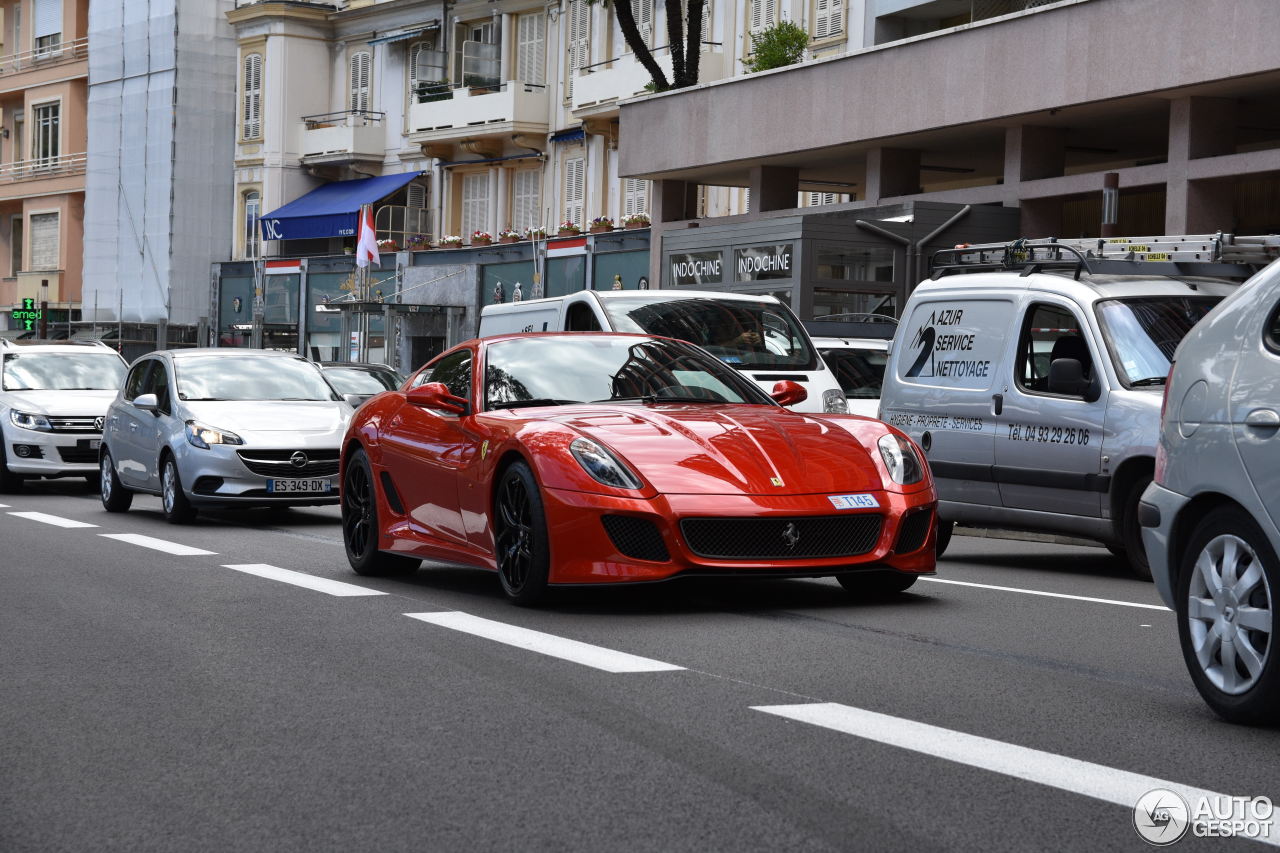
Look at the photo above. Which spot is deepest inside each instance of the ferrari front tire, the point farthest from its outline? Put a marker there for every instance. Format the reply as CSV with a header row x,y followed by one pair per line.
x,y
360,526
520,539
876,583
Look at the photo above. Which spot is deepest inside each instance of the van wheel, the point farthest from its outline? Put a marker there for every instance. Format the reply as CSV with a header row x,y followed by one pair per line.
x,y
1131,531
943,538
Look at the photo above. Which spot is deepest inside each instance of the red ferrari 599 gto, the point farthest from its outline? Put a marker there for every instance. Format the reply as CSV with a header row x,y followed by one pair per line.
x,y
586,458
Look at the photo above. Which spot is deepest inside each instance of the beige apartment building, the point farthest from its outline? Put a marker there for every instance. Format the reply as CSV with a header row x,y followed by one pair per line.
x,y
43,88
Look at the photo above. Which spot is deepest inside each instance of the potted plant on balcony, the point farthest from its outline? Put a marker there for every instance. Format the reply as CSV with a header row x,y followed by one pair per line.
x,y
418,242
536,234
601,225
450,241
636,220
387,245
506,235
481,238
568,228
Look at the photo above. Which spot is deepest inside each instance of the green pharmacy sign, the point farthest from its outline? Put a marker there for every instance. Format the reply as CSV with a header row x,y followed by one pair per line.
x,y
28,315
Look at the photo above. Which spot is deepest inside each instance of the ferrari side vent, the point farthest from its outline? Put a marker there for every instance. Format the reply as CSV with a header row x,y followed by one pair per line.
x,y
913,530
637,538
393,497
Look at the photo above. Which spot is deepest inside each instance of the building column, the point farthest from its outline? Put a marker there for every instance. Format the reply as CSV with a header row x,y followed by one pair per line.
x,y
891,172
670,202
773,187
1198,128
492,224
1032,153
504,200
508,47
1041,217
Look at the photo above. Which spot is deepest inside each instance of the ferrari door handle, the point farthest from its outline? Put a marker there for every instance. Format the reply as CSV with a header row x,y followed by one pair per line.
x,y
1262,419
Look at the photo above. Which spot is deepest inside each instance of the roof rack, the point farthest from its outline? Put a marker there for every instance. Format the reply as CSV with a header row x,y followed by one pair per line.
x,y
1220,255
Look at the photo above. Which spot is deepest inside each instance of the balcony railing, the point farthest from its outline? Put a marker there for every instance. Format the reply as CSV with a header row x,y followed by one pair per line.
x,y
343,136
332,4
344,118
472,107
69,51
43,167
623,76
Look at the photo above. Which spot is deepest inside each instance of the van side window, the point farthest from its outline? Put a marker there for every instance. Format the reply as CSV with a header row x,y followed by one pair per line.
x,y
134,384
1049,333
1273,330
581,319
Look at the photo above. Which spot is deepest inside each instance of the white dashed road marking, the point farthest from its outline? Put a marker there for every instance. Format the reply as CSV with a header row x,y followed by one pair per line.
x,y
55,520
1050,594
4,506
158,544
1032,765
299,579
546,644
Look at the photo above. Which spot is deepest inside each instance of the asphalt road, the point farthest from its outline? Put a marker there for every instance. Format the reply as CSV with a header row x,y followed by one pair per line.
x,y
158,700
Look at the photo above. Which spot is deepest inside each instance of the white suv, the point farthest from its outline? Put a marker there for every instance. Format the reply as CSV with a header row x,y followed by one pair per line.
x,y
53,398
1210,520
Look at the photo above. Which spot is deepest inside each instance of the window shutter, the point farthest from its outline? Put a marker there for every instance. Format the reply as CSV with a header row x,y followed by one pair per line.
x,y
475,203
635,196
531,52
579,47
528,199
416,196
827,20
643,12
252,119
764,14
360,64
48,18
706,21
574,190
44,241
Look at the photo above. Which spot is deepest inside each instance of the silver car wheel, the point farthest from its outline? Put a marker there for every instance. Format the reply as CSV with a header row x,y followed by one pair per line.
x,y
169,485
1229,614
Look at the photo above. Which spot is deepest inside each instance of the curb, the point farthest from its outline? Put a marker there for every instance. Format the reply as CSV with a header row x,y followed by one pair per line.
x,y
1024,536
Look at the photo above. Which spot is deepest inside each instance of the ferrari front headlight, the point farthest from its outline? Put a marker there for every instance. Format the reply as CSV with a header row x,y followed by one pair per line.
x,y
900,458
602,465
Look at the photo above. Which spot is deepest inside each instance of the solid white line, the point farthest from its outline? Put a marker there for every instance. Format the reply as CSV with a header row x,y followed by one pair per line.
x,y
157,544
546,644
1032,765
55,520
304,580
1050,594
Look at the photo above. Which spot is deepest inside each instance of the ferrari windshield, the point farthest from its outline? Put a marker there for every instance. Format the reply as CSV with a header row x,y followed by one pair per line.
x,y
249,377
61,371
564,369
745,333
1142,333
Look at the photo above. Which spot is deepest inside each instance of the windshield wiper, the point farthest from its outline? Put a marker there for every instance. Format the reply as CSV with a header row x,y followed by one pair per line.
x,y
1149,380
540,401
660,398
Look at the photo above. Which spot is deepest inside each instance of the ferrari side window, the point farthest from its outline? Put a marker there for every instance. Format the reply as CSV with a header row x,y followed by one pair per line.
x,y
455,372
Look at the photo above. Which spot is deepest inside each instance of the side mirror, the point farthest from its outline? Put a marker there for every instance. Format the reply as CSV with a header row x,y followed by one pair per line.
x,y
356,400
435,395
788,393
147,402
1066,376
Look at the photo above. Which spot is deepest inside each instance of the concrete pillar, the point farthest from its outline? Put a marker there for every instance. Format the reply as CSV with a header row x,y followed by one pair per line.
x,y
492,224
1032,153
890,172
1199,127
671,201
508,47
773,187
1199,207
504,197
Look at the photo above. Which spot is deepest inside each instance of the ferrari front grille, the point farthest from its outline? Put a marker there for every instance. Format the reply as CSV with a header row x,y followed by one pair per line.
x,y
796,538
637,538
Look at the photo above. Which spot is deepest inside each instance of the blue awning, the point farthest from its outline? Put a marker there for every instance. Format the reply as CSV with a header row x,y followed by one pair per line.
x,y
569,135
331,210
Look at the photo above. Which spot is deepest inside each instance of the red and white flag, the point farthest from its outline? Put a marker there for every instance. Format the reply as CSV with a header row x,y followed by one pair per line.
x,y
367,244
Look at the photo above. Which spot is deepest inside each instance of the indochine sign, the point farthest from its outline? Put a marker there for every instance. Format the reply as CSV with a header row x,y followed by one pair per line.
x,y
697,268
763,262
28,315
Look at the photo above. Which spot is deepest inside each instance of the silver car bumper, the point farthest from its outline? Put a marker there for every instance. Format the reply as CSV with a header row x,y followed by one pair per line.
x,y
50,454
1157,512
229,474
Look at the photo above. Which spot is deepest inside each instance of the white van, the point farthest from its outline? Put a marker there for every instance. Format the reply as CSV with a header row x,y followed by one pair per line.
x,y
756,334
1031,375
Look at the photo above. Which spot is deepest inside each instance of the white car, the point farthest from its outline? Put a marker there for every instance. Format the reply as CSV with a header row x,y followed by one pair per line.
x,y
856,348
53,397
223,427
1211,519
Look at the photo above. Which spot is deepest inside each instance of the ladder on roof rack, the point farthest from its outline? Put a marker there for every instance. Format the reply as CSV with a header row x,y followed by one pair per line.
x,y
1222,255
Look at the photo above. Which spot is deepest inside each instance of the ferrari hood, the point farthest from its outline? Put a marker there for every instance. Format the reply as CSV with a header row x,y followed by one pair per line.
x,y
754,450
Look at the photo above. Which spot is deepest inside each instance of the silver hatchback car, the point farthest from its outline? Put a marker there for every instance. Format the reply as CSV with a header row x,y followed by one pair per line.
x,y
1211,519
222,427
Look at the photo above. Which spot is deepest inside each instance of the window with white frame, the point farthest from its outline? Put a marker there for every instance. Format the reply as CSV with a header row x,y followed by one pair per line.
x,y
251,98
828,18
531,49
475,203
479,56
635,196
47,26
577,42
526,199
764,14
252,238
46,139
360,70
426,70
575,190
44,241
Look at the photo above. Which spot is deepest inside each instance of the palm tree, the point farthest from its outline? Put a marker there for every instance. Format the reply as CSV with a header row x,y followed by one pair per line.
x,y
684,37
